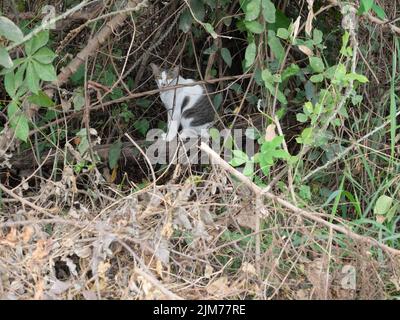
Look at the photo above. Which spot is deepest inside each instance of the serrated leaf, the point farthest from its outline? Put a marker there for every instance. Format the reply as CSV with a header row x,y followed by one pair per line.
x,y
44,55
37,42
226,56
5,59
45,72
250,55
254,26
383,205
10,30
268,11
41,99
317,64
21,127
114,154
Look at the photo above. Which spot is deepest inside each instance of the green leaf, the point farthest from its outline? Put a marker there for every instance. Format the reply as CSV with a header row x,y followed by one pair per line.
x,y
365,6
290,71
301,117
217,100
356,77
37,42
32,79
78,99
142,126
44,55
250,55
239,158
21,127
41,99
317,64
269,80
317,78
5,59
185,21
10,85
114,154
210,29
252,10
249,169
254,26
45,72
226,56
283,33
379,11
9,30
317,36
383,205
276,47
198,9
268,11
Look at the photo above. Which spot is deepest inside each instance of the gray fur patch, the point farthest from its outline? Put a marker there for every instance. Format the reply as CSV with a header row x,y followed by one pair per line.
x,y
202,112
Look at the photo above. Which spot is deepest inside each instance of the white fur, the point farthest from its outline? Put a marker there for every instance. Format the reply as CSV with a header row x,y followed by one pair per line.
x,y
173,100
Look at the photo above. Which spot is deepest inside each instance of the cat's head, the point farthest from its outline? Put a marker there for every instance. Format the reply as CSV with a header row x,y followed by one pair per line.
x,y
165,77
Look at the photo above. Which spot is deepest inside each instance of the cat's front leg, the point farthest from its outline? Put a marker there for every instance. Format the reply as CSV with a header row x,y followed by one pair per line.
x,y
173,126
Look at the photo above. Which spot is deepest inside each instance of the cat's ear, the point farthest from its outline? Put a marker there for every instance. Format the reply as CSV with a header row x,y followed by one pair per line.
x,y
175,72
155,69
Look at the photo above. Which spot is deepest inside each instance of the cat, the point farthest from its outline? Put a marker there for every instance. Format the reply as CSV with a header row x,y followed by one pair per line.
x,y
188,107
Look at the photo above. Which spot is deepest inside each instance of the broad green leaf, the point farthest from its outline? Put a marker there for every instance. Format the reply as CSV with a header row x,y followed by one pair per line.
x,y
214,134
16,63
250,55
32,79
198,9
21,127
9,30
142,126
365,6
317,36
217,100
10,85
78,100
252,10
383,205
41,99
254,26
185,21
276,46
12,110
239,158
283,33
268,11
269,79
114,154
5,59
301,117
290,71
45,72
226,56
317,64
317,78
210,29
248,169
44,55
357,77
37,42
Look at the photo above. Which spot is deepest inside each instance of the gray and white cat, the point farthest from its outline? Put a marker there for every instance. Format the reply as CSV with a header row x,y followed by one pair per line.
x,y
188,107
